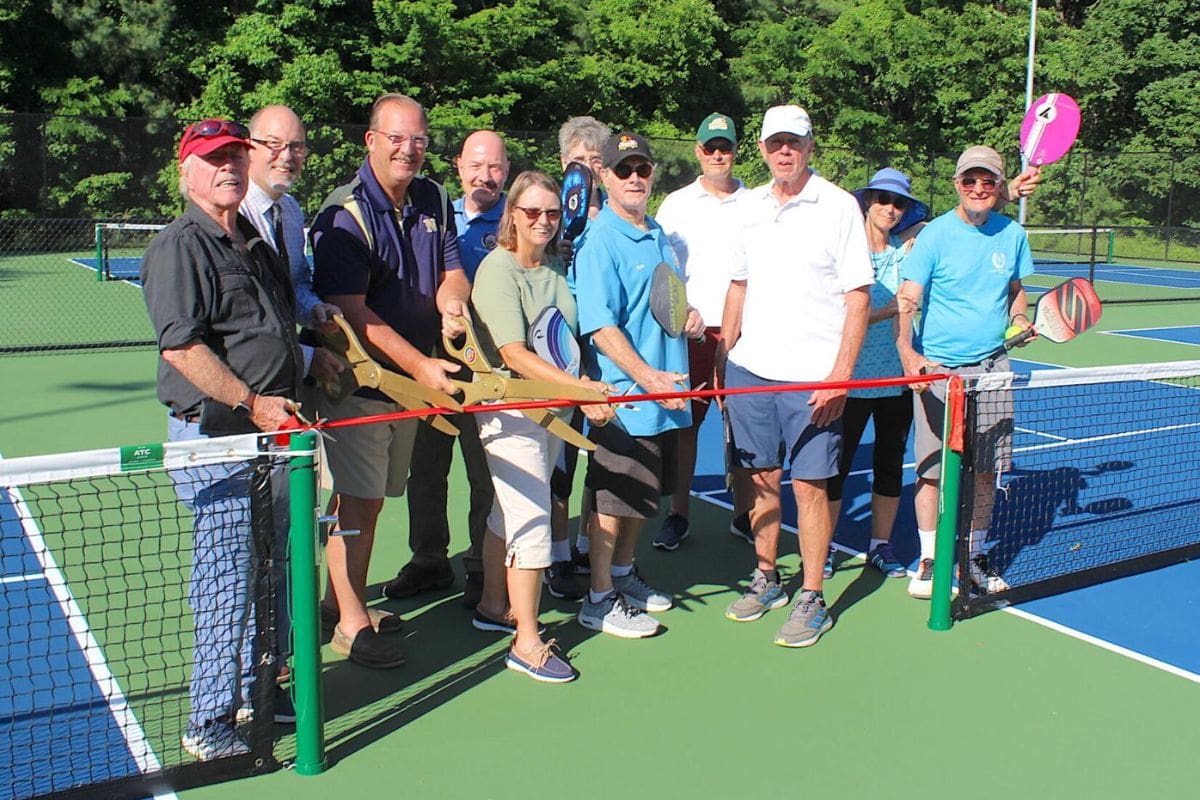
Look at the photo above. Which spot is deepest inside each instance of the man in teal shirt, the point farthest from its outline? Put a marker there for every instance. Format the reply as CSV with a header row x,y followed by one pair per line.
x,y
967,267
633,465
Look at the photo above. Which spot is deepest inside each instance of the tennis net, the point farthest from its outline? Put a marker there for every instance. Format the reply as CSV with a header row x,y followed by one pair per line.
x,y
119,249
134,581
1125,264
1091,474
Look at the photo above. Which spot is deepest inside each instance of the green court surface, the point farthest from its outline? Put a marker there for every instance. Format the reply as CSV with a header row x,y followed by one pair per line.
x,y
997,707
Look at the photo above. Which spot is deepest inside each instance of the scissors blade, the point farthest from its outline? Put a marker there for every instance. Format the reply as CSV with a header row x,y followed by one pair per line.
x,y
551,390
394,384
554,425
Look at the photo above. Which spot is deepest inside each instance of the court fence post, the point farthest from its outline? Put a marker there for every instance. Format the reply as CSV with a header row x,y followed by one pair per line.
x,y
948,505
304,566
99,234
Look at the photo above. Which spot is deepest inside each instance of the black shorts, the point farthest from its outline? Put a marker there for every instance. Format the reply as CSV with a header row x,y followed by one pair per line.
x,y
628,475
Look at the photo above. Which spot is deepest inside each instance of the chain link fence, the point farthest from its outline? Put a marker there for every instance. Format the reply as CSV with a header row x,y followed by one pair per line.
x,y
60,176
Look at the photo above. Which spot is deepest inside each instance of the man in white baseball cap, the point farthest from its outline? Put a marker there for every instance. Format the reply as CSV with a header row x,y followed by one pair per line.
x,y
796,311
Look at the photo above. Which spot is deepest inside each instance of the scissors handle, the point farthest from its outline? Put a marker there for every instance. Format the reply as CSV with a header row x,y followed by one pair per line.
x,y
469,353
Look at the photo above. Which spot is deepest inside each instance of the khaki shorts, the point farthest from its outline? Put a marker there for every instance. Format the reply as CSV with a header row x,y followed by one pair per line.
x,y
369,461
991,442
521,455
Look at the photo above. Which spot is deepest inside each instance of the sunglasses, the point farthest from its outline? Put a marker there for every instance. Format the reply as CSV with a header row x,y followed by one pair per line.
x,y
534,214
969,182
210,128
795,143
644,170
897,201
716,147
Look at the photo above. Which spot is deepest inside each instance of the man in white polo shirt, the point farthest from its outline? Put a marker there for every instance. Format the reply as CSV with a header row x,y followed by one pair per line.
x,y
796,311
698,220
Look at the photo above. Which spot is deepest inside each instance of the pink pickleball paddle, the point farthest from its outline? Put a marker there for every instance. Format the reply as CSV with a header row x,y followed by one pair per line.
x,y
1049,129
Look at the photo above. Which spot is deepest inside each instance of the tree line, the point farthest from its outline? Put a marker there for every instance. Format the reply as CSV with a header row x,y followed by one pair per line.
x,y
885,79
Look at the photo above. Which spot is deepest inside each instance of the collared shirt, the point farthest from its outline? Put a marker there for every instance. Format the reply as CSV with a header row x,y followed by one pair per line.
x,y
399,272
200,287
256,207
613,269
967,272
476,233
700,227
799,259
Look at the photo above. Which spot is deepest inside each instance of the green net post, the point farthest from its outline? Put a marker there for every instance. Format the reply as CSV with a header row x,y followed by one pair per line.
x,y
948,504
304,567
99,253
1112,246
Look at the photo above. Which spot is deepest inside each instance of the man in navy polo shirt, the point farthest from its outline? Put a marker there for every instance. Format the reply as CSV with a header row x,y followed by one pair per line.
x,y
483,171
385,252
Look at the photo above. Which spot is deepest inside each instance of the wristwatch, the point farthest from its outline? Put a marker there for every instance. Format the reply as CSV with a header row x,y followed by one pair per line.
x,y
243,409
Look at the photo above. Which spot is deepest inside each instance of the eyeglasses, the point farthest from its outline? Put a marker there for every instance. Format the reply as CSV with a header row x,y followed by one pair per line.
x,y
717,146
644,170
899,202
534,214
588,158
987,183
398,139
211,128
793,142
276,147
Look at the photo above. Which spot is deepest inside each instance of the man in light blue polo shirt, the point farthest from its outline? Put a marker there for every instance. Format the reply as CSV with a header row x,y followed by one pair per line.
x,y
967,267
483,171
634,462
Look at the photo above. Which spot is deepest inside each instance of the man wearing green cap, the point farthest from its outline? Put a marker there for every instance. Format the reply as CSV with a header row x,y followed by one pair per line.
x,y
696,221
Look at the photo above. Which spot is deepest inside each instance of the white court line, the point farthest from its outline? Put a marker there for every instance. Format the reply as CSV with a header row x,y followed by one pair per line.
x,y
1041,433
118,706
1106,437
1105,644
37,576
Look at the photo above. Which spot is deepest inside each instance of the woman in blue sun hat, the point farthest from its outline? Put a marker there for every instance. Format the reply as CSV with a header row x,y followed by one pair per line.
x,y
891,210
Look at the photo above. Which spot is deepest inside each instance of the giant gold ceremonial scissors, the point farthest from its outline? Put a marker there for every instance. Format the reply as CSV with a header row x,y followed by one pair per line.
x,y
365,371
491,385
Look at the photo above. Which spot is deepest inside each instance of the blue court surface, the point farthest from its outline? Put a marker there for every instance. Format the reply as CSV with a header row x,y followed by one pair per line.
x,y
1179,334
1106,494
56,689
1165,277
122,268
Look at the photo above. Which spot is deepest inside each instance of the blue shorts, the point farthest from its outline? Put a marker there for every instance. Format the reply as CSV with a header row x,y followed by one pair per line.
x,y
772,428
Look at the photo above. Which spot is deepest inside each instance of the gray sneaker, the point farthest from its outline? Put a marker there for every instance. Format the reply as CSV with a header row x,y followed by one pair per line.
x,y
639,594
761,597
808,620
614,615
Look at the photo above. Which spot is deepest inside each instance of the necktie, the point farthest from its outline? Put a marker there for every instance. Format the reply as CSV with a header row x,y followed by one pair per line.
x,y
277,222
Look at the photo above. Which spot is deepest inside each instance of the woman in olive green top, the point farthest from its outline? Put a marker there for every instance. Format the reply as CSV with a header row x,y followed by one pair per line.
x,y
515,283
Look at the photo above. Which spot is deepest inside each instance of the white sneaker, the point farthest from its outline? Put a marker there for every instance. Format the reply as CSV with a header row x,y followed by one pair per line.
x,y
984,577
217,739
615,616
920,585
639,594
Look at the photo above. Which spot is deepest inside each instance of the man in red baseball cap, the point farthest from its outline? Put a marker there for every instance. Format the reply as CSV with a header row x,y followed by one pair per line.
x,y
223,311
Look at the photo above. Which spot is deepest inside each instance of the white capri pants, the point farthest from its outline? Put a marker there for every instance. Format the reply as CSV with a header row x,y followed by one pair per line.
x,y
521,456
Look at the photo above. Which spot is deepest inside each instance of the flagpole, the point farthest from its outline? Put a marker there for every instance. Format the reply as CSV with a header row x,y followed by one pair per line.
x,y
1028,89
